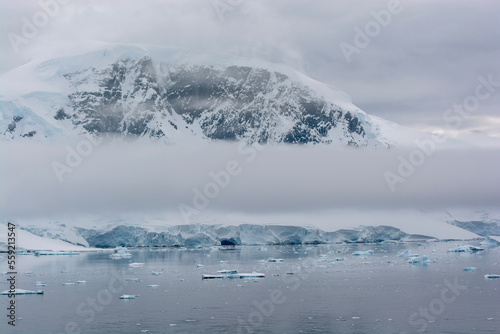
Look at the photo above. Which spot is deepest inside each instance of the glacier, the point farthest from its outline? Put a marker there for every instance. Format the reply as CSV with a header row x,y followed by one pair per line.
x,y
146,230
204,235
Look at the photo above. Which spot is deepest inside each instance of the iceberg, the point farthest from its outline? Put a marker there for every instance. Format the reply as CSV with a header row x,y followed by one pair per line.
x,y
233,274
465,248
38,253
406,253
136,265
22,292
492,276
127,297
121,253
359,253
418,259
132,279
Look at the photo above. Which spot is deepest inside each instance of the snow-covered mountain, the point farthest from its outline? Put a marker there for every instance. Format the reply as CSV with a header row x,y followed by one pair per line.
x,y
175,94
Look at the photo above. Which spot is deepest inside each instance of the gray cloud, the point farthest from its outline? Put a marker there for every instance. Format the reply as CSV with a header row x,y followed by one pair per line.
x,y
118,178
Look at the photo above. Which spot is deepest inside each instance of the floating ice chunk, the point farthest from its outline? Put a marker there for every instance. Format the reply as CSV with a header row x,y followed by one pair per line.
x,y
233,274
156,273
274,260
418,259
68,283
136,265
470,268
492,276
339,259
230,271
40,283
55,253
153,285
127,296
132,279
199,265
81,282
22,292
465,248
358,253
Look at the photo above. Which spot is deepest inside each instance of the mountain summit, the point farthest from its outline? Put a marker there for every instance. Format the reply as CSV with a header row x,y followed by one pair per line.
x,y
171,94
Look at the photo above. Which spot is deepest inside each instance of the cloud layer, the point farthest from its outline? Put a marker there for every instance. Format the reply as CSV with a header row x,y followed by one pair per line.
x,y
117,178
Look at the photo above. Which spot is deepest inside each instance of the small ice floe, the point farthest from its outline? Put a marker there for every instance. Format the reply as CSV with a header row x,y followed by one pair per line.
x,y
199,265
153,285
470,268
465,248
21,292
406,253
81,282
222,262
492,276
156,273
136,264
363,253
40,283
274,260
418,259
132,279
64,271
55,253
127,297
233,274
339,259
68,283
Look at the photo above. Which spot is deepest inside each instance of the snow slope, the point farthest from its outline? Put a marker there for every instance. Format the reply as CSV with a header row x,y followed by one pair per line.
x,y
29,241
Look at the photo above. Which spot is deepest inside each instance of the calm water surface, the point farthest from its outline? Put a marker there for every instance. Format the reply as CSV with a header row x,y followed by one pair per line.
x,y
311,291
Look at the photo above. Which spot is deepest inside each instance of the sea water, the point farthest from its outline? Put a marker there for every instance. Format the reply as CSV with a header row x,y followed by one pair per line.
x,y
316,289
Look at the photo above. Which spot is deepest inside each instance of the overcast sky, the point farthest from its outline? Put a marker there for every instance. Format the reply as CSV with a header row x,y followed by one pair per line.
x,y
425,58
